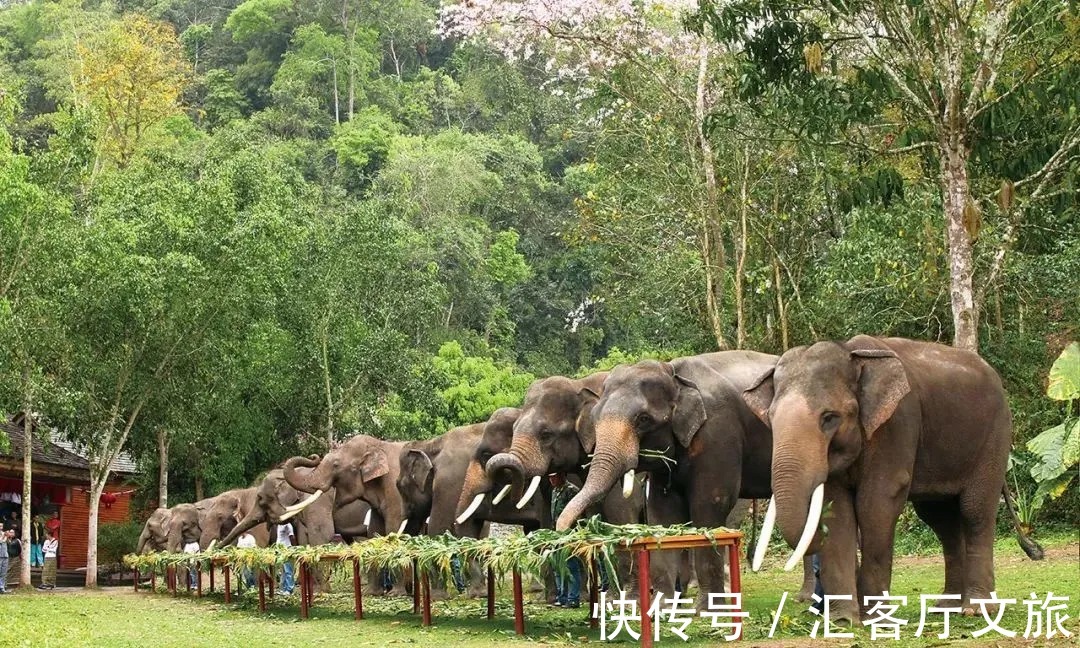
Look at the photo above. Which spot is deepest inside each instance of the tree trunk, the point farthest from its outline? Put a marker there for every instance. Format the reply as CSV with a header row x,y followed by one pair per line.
x,y
961,215
199,492
740,262
97,486
712,242
337,102
28,454
163,467
781,307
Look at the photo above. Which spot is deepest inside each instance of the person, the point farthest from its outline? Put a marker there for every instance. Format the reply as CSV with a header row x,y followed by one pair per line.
x,y
568,583
49,551
37,536
14,550
193,571
286,537
247,541
819,604
4,535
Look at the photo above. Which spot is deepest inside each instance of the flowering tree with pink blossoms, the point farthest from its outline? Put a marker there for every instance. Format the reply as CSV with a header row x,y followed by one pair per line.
x,y
639,53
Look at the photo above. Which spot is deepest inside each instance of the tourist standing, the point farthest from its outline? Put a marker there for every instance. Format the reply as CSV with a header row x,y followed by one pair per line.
x,y
37,537
14,551
247,541
568,584
4,535
286,537
49,551
193,568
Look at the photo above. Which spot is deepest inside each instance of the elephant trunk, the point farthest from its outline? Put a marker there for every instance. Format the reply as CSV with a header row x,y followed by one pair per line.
x,y
318,478
477,485
799,471
144,538
254,517
616,455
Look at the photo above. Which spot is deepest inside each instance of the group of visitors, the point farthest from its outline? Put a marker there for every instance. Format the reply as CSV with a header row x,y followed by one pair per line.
x,y
286,536
11,549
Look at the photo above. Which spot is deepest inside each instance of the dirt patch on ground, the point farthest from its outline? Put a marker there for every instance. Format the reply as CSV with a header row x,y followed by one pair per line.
x,y
1063,553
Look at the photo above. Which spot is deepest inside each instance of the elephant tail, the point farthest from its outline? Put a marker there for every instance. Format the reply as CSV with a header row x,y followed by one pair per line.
x,y
1030,547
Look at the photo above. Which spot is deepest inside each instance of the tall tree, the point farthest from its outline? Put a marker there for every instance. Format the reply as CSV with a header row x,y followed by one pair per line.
x,y
950,68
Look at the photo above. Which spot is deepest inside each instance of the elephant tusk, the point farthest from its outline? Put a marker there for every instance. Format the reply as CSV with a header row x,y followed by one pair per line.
x,y
648,482
628,484
427,520
288,515
401,529
307,501
367,518
475,504
812,519
529,492
213,543
766,533
501,496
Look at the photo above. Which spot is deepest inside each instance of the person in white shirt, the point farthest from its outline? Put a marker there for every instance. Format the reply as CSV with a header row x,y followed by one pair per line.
x,y
49,550
193,571
247,541
286,536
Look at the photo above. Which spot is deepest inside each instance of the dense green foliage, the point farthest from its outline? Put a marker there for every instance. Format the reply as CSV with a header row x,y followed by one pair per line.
x,y
262,226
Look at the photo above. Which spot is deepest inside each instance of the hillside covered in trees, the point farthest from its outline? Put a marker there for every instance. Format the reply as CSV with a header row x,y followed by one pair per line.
x,y
237,231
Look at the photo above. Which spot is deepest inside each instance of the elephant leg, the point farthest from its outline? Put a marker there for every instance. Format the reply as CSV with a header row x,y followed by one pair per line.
x,y
943,517
878,508
839,556
710,504
978,512
686,571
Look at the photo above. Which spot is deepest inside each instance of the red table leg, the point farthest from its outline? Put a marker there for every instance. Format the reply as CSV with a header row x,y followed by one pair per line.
x,y
227,573
643,597
519,608
198,580
136,580
358,596
211,576
490,593
304,612
262,591
736,577
427,598
153,581
594,595
271,580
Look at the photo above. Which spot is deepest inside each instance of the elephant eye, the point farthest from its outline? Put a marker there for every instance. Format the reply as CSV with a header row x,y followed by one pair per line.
x,y
829,421
643,418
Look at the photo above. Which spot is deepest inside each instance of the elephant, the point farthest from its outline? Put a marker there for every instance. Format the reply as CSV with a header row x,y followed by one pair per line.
x,y
553,433
684,422
362,468
155,533
474,504
315,525
869,424
184,524
224,513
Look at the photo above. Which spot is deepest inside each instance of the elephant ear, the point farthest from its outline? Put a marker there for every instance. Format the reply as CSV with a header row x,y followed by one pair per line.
x,y
759,395
689,414
374,465
586,429
418,465
588,395
883,384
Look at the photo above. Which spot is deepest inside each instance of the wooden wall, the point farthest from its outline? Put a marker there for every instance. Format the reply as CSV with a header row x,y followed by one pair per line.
x,y
75,517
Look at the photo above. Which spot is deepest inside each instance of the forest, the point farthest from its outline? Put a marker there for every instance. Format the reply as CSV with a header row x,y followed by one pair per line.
x,y
235,232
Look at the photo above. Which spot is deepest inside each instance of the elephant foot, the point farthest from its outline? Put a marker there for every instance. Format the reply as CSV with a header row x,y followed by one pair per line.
x,y
844,613
439,594
805,594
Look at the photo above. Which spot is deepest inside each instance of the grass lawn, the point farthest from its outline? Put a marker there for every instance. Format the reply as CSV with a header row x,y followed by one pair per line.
x,y
122,618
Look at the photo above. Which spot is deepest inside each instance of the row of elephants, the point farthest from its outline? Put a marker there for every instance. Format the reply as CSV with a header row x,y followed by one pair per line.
x,y
838,435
